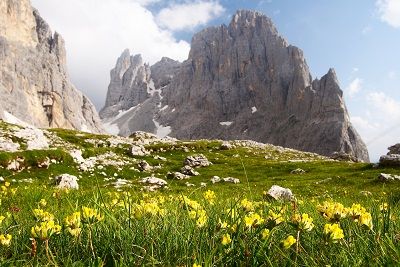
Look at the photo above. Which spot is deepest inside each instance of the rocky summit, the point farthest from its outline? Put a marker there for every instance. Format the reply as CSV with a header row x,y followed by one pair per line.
x,y
34,84
241,81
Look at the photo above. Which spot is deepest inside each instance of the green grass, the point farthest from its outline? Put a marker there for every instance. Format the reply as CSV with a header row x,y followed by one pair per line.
x,y
127,236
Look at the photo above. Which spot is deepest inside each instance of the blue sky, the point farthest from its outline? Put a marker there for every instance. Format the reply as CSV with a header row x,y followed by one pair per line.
x,y
359,38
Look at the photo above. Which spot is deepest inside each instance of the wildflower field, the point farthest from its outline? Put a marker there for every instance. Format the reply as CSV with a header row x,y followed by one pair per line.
x,y
342,216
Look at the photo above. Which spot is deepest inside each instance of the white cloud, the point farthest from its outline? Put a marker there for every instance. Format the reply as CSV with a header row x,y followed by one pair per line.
x,y
187,16
378,123
392,75
354,87
389,12
97,31
384,104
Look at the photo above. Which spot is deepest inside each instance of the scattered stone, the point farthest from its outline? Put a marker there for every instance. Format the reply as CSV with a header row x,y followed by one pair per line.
x,y
119,183
231,180
392,160
197,161
366,193
1,179
154,183
67,181
16,164
144,166
8,145
226,146
177,176
34,137
280,193
342,156
323,181
160,158
203,184
215,179
388,177
189,184
44,164
187,170
139,150
298,171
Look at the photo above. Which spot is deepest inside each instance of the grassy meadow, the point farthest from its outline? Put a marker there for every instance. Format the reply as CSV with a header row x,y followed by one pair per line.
x,y
342,215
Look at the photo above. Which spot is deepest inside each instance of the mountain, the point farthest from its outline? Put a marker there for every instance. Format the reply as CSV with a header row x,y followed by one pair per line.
x,y
241,81
34,84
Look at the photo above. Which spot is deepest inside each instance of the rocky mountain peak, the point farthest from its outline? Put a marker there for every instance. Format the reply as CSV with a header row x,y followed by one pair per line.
x,y
34,83
244,81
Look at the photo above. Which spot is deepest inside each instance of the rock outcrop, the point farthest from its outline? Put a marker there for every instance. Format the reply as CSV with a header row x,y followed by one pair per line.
x,y
34,83
241,81
392,158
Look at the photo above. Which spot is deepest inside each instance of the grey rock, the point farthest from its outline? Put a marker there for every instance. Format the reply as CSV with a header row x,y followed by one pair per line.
x,y
197,161
280,193
187,170
298,171
215,179
45,163
388,177
144,166
16,164
177,176
154,182
391,160
139,150
342,156
231,180
66,181
34,83
8,145
226,146
395,149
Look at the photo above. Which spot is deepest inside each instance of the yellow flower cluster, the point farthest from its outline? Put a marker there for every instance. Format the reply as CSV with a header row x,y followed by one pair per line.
x,y
226,239
210,197
91,216
288,242
253,219
360,215
5,240
148,208
333,232
247,205
73,224
332,211
5,190
275,218
45,230
303,222
43,216
195,211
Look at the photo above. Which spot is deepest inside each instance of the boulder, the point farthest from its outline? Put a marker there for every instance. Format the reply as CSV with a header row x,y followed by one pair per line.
x,y
215,179
395,149
388,177
197,161
391,160
177,176
187,170
298,171
280,193
16,164
139,150
8,145
342,156
66,181
144,166
226,146
231,180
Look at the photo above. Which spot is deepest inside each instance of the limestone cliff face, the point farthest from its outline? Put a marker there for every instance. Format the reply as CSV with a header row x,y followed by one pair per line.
x,y
244,81
34,83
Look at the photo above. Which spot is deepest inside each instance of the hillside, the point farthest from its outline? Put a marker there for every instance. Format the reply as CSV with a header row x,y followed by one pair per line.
x,y
132,221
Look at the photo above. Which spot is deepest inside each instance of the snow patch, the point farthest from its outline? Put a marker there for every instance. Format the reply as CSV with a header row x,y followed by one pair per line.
x,y
164,108
162,131
9,118
253,110
172,111
111,128
85,128
226,123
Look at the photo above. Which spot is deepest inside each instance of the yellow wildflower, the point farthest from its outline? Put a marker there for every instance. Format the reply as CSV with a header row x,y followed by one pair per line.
x,y
5,240
91,216
73,224
384,207
276,218
42,203
366,219
222,225
253,220
45,230
247,205
334,232
265,234
288,242
42,215
196,265
210,196
226,239
303,222
332,211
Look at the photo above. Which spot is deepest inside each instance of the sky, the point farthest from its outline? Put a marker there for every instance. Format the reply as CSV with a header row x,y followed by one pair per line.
x,y
360,39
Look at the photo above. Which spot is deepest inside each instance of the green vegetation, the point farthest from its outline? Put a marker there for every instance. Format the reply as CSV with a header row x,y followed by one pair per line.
x,y
221,224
